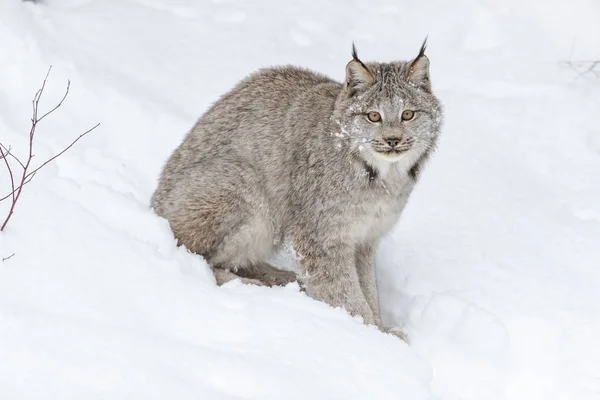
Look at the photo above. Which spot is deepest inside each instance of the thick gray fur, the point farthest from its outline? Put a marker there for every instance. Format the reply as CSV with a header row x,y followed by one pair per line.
x,y
289,156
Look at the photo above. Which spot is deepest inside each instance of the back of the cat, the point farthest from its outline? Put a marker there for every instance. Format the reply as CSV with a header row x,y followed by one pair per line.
x,y
242,123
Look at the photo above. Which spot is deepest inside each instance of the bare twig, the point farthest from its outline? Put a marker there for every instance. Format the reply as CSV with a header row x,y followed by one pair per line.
x,y
7,151
59,154
8,258
10,173
28,175
31,174
582,68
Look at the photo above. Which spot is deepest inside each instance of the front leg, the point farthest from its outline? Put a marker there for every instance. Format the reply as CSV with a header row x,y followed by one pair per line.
x,y
365,266
330,275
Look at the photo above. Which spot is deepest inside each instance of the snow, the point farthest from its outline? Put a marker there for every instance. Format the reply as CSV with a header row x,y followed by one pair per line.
x,y
494,270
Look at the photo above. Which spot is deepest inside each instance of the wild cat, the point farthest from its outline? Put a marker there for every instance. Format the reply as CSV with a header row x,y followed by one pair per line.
x,y
290,155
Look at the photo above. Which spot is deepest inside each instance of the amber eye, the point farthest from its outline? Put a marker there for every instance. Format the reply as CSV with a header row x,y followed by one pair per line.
x,y
407,115
374,116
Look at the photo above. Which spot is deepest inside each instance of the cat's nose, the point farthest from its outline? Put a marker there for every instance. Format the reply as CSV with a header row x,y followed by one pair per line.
x,y
392,142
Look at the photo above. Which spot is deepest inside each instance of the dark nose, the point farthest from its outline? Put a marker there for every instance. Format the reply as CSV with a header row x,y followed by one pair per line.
x,y
392,142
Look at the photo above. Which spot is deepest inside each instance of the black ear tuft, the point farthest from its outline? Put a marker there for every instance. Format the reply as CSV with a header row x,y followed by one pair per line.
x,y
418,70
421,52
358,75
423,47
354,54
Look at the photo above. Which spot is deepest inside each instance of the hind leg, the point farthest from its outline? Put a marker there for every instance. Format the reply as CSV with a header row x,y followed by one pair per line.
x,y
267,274
223,276
228,221
242,253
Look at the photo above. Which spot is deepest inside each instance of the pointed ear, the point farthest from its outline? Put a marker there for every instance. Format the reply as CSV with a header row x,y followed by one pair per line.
x,y
358,76
418,71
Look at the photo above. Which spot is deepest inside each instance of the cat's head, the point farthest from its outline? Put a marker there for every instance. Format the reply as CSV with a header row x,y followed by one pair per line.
x,y
388,112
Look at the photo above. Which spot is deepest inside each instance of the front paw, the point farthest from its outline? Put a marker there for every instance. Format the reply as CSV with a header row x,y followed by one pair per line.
x,y
397,332
361,309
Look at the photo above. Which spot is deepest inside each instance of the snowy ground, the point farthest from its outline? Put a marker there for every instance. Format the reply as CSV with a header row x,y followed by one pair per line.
x,y
494,269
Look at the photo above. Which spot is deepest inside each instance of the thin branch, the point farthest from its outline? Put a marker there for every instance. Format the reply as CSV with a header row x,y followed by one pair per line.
x,y
10,173
7,196
7,150
583,68
38,96
65,149
31,174
592,68
24,183
8,258
59,103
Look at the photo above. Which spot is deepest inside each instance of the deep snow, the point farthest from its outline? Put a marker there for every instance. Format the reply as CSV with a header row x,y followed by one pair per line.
x,y
494,269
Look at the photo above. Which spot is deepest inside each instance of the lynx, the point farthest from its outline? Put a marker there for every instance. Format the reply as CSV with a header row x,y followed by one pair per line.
x,y
292,156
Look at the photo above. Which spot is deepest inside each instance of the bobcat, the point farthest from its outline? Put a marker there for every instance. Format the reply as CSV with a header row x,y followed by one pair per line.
x,y
292,156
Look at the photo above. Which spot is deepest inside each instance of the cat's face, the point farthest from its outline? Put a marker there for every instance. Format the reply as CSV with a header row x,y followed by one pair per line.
x,y
389,113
